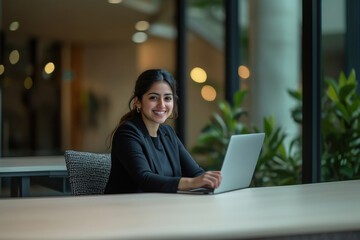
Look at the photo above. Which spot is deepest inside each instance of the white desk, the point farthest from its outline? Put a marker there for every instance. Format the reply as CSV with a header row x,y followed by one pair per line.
x,y
25,167
248,213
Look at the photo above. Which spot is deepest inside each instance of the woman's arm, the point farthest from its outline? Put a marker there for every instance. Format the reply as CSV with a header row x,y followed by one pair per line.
x,y
193,175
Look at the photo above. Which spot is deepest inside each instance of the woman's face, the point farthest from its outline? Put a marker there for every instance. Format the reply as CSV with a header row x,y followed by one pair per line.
x,y
156,104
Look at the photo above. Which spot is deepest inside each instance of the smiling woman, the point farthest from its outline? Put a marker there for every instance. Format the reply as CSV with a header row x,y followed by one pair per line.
x,y
156,106
146,155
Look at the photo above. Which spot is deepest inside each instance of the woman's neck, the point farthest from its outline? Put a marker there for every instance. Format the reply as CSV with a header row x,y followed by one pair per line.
x,y
152,132
151,127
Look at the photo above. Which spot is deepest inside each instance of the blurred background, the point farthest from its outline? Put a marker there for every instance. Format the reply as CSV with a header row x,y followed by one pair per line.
x,y
68,67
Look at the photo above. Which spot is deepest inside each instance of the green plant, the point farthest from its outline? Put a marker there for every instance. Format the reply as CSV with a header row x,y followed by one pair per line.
x,y
276,166
214,139
340,130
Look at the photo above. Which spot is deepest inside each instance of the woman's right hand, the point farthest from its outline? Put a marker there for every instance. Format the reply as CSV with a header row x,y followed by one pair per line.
x,y
209,179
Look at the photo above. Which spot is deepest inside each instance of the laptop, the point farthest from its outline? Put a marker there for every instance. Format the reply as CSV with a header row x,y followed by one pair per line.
x,y
239,164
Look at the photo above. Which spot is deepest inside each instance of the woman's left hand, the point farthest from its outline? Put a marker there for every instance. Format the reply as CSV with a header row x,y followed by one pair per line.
x,y
209,179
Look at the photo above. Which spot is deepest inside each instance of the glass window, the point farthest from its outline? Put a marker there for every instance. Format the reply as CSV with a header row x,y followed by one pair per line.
x,y
274,59
206,64
270,67
340,129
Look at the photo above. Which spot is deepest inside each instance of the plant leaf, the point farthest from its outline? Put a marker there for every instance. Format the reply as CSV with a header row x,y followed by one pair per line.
x,y
220,122
239,98
267,127
238,113
332,90
346,91
342,79
226,110
352,77
295,94
344,113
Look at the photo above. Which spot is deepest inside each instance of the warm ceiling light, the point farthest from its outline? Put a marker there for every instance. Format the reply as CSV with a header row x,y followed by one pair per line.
x,y
244,72
208,93
142,25
114,1
2,69
14,26
14,56
139,37
49,68
198,75
28,83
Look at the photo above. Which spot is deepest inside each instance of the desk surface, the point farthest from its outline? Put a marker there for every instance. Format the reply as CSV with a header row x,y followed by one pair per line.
x,y
253,212
32,164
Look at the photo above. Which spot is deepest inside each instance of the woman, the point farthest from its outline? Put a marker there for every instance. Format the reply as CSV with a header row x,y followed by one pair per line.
x,y
146,155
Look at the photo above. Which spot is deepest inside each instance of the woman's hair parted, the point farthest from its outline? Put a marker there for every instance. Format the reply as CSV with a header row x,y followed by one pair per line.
x,y
143,84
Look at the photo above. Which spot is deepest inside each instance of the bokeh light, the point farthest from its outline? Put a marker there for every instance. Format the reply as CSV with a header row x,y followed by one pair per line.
x,y
142,25
139,37
14,56
114,1
28,83
49,68
198,75
2,69
244,72
208,93
14,26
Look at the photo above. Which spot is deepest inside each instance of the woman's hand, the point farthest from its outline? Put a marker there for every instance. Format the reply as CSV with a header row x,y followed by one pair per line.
x,y
210,179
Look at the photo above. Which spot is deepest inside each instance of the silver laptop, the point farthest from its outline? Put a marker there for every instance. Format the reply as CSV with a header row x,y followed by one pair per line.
x,y
239,164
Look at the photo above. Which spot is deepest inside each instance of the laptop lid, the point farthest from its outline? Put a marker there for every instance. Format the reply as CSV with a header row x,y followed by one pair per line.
x,y
240,161
239,164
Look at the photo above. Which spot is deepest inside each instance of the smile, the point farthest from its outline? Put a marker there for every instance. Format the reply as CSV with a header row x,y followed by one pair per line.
x,y
159,112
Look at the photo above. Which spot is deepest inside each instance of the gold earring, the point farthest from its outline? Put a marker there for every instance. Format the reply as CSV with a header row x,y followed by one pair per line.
x,y
138,110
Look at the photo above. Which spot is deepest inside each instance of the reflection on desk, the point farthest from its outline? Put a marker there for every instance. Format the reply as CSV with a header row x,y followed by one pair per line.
x,y
249,213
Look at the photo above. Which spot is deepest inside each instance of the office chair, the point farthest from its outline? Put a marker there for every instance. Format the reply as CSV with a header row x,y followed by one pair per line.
x,y
88,172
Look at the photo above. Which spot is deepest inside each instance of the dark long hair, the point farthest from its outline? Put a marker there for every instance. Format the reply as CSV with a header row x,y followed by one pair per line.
x,y
143,84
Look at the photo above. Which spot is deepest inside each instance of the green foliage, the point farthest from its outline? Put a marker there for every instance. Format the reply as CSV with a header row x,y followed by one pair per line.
x,y
340,123
281,165
341,130
206,3
276,166
296,113
215,137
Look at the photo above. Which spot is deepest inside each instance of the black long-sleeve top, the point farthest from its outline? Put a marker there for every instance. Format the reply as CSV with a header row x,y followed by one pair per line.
x,y
135,166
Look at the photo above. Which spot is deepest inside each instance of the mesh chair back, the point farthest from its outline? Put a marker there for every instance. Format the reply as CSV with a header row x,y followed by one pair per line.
x,y
88,172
